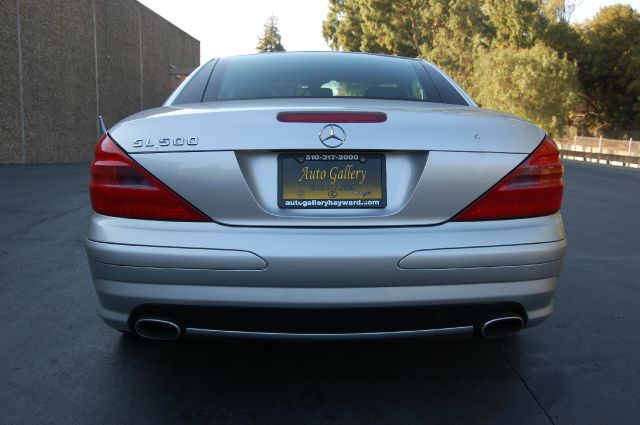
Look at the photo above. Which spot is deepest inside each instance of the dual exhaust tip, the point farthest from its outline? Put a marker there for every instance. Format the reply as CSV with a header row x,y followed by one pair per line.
x,y
166,329
502,326
157,327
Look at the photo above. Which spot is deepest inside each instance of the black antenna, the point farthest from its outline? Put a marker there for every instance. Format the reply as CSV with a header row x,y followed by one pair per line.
x,y
103,128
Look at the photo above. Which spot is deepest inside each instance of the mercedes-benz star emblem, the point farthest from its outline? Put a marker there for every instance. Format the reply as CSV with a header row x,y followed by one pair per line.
x,y
332,135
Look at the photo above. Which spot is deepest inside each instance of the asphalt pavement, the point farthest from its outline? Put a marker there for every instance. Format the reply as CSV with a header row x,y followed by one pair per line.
x,y
60,364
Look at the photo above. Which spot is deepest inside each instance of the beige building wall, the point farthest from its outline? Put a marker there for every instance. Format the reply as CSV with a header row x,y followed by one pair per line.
x,y
64,62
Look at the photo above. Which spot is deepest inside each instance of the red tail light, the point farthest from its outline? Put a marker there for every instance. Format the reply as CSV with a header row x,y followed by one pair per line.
x,y
533,189
120,187
335,117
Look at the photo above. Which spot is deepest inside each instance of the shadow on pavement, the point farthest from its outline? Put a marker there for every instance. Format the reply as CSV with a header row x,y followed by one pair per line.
x,y
372,382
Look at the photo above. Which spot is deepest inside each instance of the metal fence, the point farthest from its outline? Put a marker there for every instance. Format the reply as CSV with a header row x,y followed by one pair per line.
x,y
601,150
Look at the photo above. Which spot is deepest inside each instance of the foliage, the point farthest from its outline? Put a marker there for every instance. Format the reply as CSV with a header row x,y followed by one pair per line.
x,y
473,40
564,39
516,23
343,27
534,83
559,10
610,71
270,40
382,26
443,31
459,28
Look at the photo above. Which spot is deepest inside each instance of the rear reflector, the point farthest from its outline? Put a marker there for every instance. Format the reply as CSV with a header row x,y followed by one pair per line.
x,y
120,187
532,189
332,117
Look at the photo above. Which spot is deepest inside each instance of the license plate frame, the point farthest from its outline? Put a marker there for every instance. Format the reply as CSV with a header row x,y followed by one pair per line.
x,y
345,196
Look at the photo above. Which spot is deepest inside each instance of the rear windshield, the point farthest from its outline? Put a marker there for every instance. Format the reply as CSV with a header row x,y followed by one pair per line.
x,y
320,75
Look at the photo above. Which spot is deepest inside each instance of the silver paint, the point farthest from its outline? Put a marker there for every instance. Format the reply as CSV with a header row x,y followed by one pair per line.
x,y
222,158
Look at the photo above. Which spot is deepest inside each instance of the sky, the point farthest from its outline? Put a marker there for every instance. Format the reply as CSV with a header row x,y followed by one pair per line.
x,y
232,27
588,8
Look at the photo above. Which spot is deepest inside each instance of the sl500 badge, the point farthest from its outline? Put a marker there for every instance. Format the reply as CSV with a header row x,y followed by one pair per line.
x,y
165,142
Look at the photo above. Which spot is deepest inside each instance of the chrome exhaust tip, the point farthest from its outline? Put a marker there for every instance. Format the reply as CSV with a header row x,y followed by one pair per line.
x,y
502,326
158,328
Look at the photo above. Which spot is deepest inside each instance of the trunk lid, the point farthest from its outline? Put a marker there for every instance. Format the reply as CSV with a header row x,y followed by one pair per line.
x,y
223,157
252,125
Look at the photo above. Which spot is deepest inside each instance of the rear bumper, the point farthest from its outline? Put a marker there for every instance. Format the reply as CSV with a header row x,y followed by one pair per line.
x,y
119,299
138,263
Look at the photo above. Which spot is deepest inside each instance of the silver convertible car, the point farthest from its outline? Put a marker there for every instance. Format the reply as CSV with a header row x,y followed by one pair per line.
x,y
324,195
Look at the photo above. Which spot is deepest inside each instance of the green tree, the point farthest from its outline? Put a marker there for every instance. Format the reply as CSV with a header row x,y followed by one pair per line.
x,y
381,26
270,40
534,83
343,27
517,23
502,51
564,39
443,31
610,72
395,27
459,28
559,10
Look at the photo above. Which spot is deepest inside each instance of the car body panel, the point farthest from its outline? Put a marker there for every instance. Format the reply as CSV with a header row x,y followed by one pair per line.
x,y
163,257
117,230
222,158
118,299
237,125
329,258
420,190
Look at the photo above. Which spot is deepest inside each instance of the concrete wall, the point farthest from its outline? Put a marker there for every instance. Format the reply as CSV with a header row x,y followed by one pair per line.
x,y
10,131
66,61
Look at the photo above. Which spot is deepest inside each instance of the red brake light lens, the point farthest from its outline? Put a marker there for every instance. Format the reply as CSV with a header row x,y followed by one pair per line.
x,y
332,117
532,189
120,187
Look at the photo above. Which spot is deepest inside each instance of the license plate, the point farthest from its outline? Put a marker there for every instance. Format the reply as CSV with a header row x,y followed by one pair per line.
x,y
345,180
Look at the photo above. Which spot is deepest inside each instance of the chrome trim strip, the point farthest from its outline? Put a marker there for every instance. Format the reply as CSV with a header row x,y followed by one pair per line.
x,y
455,331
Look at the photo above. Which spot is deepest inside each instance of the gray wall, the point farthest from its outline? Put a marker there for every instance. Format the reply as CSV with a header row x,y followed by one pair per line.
x,y
64,62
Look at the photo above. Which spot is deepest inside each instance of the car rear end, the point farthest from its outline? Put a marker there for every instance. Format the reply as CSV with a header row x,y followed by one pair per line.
x,y
329,202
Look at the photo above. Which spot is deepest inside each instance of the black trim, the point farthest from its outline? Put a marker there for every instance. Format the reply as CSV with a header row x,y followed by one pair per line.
x,y
208,80
329,320
193,92
448,93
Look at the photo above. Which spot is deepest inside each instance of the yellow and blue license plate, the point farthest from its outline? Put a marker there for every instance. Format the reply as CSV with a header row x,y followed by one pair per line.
x,y
331,180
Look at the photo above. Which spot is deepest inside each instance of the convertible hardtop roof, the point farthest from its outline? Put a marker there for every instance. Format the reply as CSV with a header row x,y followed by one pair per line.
x,y
320,52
